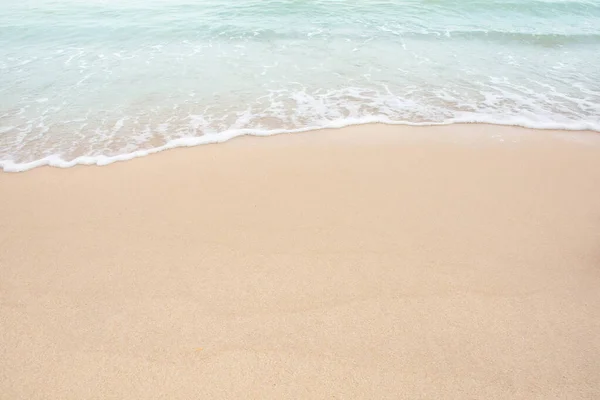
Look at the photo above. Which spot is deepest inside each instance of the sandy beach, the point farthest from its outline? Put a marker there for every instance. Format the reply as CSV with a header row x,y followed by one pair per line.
x,y
370,262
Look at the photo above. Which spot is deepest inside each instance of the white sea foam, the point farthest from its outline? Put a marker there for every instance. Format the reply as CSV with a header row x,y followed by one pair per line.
x,y
102,160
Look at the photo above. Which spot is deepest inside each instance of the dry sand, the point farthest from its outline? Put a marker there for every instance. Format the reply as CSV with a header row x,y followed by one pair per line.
x,y
370,262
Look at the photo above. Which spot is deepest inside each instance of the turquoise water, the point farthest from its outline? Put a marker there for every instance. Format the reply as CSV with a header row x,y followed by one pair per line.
x,y
90,81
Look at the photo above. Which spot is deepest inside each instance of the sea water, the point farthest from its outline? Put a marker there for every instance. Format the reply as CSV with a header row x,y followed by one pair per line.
x,y
95,81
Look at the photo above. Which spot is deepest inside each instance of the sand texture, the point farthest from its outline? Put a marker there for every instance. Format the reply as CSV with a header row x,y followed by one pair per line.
x,y
372,262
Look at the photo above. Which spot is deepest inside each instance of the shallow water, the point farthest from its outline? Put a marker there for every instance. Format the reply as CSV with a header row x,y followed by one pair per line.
x,y
90,81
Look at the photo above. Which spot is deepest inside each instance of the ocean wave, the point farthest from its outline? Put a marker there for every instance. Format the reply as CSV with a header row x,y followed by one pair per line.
x,y
104,80
231,33
528,7
535,21
103,160
41,129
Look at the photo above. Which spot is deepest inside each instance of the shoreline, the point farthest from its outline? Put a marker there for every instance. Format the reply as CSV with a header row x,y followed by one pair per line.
x,y
194,141
362,262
